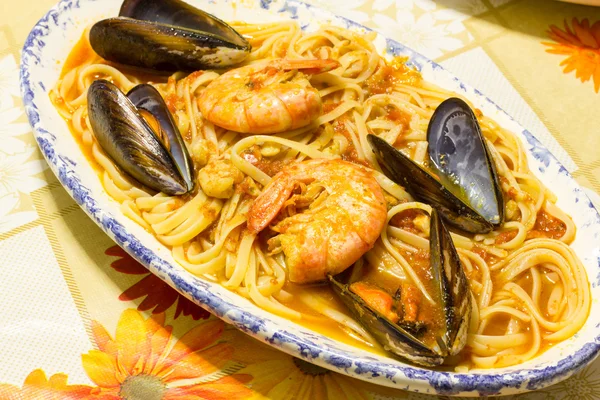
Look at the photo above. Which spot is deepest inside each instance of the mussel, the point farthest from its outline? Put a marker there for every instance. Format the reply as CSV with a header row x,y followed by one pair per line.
x,y
426,342
138,133
167,35
464,185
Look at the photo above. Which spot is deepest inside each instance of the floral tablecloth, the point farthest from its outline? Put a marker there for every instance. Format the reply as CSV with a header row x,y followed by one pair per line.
x,y
81,319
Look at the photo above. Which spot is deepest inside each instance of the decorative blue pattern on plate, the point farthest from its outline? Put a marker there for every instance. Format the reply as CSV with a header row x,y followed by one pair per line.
x,y
48,45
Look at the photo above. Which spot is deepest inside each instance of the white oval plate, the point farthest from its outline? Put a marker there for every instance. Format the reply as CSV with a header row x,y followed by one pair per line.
x,y
43,56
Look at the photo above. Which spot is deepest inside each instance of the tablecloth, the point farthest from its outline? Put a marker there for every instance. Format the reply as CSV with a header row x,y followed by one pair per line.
x,y
79,318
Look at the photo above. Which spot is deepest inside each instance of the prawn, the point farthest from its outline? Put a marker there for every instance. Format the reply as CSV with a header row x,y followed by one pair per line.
x,y
266,97
341,224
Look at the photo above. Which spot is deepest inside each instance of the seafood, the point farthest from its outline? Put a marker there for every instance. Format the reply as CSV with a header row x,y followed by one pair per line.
x,y
268,97
218,177
167,35
463,184
139,134
345,217
395,319
524,265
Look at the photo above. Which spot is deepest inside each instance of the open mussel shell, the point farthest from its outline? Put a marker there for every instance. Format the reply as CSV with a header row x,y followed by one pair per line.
x,y
424,187
167,35
465,188
146,97
459,155
393,337
451,293
181,14
129,140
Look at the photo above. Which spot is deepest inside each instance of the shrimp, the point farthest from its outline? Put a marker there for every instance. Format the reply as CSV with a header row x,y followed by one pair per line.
x,y
342,223
266,97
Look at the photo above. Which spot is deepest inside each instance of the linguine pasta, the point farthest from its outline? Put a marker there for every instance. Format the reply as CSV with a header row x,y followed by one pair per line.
x,y
529,289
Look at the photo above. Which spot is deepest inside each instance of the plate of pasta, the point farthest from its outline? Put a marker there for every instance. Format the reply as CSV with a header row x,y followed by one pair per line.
x,y
321,187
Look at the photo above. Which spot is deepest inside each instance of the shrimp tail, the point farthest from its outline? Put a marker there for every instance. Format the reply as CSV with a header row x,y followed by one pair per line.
x,y
268,204
315,66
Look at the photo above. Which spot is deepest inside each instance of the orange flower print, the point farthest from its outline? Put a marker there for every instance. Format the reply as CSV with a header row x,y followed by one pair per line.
x,y
159,295
581,45
38,387
145,361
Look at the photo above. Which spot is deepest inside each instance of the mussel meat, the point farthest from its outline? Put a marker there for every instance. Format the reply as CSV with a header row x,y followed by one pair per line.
x,y
463,185
167,35
391,317
138,133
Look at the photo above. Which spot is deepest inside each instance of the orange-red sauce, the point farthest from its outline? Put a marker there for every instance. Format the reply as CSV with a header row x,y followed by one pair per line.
x,y
431,314
318,322
403,119
405,220
546,226
328,107
81,52
386,76
506,236
268,166
487,257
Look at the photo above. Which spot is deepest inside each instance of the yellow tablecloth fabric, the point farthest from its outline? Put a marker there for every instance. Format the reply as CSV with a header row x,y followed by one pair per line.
x,y
79,317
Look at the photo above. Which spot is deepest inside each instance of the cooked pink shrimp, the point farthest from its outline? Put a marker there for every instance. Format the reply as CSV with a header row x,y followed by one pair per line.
x,y
266,97
337,228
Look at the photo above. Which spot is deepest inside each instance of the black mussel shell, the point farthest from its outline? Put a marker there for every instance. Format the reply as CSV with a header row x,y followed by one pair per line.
x,y
130,141
183,15
391,336
424,187
454,289
467,190
459,155
452,293
167,35
146,97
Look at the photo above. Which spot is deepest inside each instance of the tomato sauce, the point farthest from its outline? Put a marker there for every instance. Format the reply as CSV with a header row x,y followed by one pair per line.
x,y
386,76
405,220
430,314
487,257
351,154
506,236
546,226
81,53
269,167
328,107
399,116
313,320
